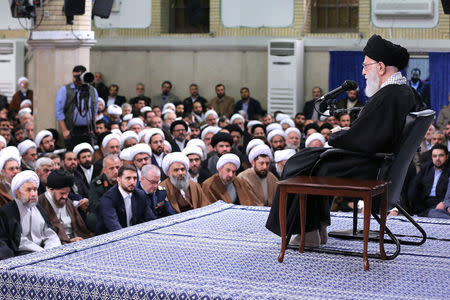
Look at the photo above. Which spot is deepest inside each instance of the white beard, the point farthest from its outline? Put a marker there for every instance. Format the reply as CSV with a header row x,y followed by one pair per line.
x,y
372,83
180,184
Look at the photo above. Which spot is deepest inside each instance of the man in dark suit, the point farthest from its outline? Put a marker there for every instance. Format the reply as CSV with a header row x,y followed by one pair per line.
x,y
429,187
308,109
436,138
113,97
24,224
251,106
123,205
178,129
101,88
86,169
156,195
351,104
140,94
189,101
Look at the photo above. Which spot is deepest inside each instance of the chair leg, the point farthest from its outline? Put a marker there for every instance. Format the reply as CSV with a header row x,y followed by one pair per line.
x,y
355,217
302,222
383,213
415,224
282,217
367,203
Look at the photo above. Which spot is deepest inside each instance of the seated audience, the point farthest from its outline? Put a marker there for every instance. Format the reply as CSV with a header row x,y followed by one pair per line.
x,y
194,97
225,186
24,225
60,210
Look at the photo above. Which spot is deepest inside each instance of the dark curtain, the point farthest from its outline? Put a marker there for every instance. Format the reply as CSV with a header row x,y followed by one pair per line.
x,y
347,65
439,80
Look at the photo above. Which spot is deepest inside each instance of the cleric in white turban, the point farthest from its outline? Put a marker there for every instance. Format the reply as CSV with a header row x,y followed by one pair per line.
x,y
228,158
27,228
141,155
315,140
28,151
136,125
128,139
259,150
272,127
281,157
253,143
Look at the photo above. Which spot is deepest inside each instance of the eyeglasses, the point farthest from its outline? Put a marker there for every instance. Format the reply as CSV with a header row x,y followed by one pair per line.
x,y
151,181
365,65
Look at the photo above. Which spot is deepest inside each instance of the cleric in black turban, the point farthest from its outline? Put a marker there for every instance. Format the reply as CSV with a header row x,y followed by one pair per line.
x,y
59,179
390,54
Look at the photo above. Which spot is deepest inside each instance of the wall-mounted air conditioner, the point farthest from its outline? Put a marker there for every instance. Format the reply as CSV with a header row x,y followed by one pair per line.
x,y
285,76
403,8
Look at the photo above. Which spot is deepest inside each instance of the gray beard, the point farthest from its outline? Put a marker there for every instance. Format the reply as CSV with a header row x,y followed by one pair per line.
x,y
292,146
180,184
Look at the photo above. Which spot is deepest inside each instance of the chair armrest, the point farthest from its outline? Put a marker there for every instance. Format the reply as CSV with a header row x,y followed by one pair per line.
x,y
337,151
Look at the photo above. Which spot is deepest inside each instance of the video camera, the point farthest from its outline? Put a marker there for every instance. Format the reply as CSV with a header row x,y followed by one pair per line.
x,y
86,78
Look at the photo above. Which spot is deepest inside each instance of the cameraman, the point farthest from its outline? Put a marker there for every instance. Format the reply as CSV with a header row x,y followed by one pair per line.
x,y
76,106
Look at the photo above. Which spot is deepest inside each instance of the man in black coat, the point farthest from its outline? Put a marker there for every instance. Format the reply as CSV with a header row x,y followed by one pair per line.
x,y
189,101
251,106
377,129
123,205
351,105
113,97
429,187
309,111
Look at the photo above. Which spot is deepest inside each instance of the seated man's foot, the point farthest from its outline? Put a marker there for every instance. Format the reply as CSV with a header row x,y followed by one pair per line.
x,y
323,233
312,239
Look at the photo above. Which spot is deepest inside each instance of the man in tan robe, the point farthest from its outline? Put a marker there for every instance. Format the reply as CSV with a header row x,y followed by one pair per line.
x,y
60,210
222,104
183,193
261,181
225,186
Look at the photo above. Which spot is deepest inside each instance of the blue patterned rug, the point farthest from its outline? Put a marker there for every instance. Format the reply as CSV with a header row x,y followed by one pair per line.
x,y
224,252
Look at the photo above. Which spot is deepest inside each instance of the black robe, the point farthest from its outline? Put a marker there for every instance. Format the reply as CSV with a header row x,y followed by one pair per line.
x,y
377,129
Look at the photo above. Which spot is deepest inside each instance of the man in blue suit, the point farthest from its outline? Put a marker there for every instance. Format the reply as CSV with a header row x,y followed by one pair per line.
x,y
156,195
123,205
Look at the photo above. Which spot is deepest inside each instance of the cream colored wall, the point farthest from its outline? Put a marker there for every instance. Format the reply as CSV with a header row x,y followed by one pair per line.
x,y
234,69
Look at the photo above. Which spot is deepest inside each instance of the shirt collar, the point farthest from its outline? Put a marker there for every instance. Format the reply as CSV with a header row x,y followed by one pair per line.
x,y
123,193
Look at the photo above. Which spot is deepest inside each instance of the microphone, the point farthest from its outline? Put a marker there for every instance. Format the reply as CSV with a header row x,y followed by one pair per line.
x,y
348,85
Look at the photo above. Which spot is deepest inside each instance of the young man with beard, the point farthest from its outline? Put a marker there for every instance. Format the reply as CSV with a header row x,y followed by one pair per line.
x,y
44,140
261,181
196,172
178,129
351,104
222,104
194,97
226,186
70,164
100,185
28,150
378,128
123,205
221,143
140,155
183,193
85,154
251,106
25,227
60,210
277,140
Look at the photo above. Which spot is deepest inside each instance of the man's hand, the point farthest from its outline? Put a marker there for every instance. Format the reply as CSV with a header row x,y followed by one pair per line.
x,y
76,239
83,204
440,205
66,134
393,213
336,129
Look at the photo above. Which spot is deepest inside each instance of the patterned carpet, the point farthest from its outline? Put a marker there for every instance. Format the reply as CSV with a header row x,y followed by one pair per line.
x,y
224,252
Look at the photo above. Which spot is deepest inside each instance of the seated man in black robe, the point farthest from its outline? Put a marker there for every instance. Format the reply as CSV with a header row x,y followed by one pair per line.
x,y
377,129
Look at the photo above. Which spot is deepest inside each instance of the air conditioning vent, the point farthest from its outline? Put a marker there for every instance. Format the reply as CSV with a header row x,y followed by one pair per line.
x,y
282,49
403,8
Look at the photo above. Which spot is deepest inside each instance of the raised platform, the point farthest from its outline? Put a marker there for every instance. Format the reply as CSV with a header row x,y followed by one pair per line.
x,y
224,251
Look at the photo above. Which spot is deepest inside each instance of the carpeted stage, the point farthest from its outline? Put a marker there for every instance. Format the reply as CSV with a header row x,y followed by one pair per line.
x,y
224,252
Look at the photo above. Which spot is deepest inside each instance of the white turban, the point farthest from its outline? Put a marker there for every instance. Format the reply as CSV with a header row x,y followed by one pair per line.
x,y
116,131
83,146
167,110
8,153
315,136
210,129
235,117
193,150
281,117
110,137
285,154
152,132
259,150
325,115
142,133
288,121
125,154
2,140
130,134
24,111
166,143
22,79
228,158
272,127
171,158
252,123
198,143
24,102
140,148
274,133
135,121
169,106
24,146
114,109
41,135
253,143
21,178
100,100
292,129
127,117
145,109
211,112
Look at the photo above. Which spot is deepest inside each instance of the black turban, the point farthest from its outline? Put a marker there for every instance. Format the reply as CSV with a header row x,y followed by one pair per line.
x,y
178,122
221,137
390,54
59,179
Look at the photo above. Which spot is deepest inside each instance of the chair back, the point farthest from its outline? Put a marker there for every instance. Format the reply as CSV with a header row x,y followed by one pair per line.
x,y
415,128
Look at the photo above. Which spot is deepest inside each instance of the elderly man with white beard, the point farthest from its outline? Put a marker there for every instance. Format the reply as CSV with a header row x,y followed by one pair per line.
x,y
378,128
293,138
183,193
25,227
28,150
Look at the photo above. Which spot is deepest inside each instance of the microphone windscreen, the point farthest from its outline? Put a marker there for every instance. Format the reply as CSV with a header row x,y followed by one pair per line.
x,y
349,85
